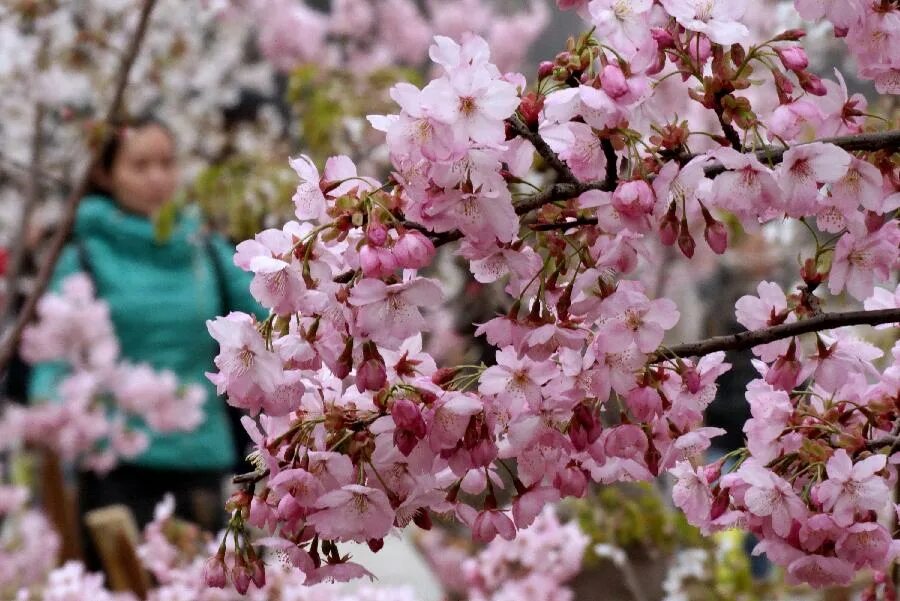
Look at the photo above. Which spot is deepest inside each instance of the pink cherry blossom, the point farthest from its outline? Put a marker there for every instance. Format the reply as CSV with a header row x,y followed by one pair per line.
x,y
390,313
353,513
852,487
717,19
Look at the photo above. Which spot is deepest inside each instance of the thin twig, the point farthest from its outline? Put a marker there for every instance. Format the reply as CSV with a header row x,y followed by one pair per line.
x,y
730,132
543,149
750,338
250,477
71,205
563,225
612,163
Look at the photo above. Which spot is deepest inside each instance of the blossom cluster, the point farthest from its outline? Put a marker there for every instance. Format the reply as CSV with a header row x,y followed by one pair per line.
x,y
172,551
814,482
872,30
358,431
100,392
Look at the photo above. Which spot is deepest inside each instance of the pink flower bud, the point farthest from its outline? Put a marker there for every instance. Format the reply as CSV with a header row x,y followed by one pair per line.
x,y
406,415
376,233
377,262
545,69
240,576
571,482
662,37
413,250
634,198
785,371
793,58
214,572
258,574
716,236
713,471
685,240
371,375
613,81
668,229
812,83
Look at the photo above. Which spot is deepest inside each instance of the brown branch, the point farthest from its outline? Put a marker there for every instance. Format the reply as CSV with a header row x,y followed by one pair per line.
x,y
542,148
563,225
71,205
251,477
750,338
886,140
612,165
730,132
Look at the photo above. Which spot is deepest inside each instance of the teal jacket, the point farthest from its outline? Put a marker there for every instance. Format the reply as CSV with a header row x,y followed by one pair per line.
x,y
160,295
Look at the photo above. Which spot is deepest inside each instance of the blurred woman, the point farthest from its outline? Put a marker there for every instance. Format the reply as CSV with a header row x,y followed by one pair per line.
x,y
160,294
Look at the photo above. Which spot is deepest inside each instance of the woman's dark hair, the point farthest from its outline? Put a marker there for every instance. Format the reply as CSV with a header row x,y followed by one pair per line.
x,y
110,150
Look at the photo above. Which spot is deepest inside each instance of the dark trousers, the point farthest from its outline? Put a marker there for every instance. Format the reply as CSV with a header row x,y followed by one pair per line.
x,y
198,497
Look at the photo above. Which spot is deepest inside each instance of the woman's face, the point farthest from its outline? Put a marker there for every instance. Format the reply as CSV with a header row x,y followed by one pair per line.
x,y
144,175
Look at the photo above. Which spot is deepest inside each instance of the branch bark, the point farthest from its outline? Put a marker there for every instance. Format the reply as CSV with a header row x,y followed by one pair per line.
x,y
750,338
543,149
887,140
71,205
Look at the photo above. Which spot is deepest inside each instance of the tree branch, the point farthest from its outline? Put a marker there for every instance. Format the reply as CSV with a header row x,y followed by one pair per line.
x,y
563,225
750,338
543,149
612,164
71,205
250,477
887,140
730,132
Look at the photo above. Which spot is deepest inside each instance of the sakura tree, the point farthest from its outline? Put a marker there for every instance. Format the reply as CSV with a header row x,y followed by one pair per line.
x,y
668,123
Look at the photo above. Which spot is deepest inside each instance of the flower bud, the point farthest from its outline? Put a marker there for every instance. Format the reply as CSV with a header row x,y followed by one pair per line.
x,y
791,35
571,482
214,572
371,375
258,573
793,58
662,37
613,81
685,240
376,261
545,69
716,236
376,233
240,576
413,250
812,83
530,107
668,229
